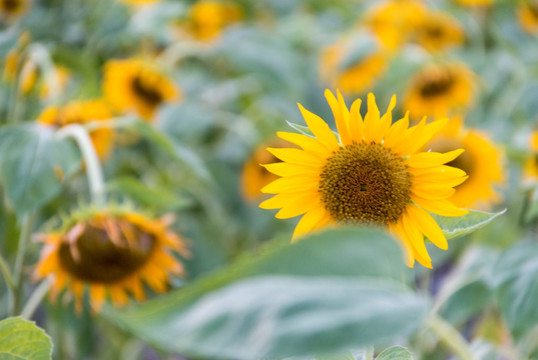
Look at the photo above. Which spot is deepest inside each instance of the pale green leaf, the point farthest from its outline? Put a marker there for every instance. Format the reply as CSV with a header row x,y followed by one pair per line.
x,y
23,340
395,353
454,227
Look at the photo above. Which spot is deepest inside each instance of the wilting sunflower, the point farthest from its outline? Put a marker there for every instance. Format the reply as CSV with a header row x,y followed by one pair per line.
x,y
206,18
13,8
371,174
482,161
440,90
83,112
352,73
392,21
527,13
531,165
437,31
110,253
134,85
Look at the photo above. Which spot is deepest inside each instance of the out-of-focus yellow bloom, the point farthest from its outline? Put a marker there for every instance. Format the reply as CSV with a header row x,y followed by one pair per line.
x,y
13,8
206,19
111,254
352,68
527,13
83,112
437,31
393,21
440,90
134,85
482,161
139,2
531,165
475,2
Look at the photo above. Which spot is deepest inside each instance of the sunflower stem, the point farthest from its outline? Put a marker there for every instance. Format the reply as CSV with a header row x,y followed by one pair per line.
x,y
35,299
93,167
4,269
26,232
369,353
450,337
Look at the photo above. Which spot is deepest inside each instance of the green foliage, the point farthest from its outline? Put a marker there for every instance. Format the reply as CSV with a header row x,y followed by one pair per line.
x,y
23,340
395,353
455,227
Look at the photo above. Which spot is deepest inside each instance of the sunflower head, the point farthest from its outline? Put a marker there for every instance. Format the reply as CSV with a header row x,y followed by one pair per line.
x,y
527,13
372,173
110,253
439,90
13,8
482,161
83,112
207,18
437,31
133,85
354,64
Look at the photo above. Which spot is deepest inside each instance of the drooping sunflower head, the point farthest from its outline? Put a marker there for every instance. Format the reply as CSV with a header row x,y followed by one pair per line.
x,y
354,64
207,18
437,31
111,254
83,112
527,13
440,90
13,8
134,85
372,173
392,21
482,161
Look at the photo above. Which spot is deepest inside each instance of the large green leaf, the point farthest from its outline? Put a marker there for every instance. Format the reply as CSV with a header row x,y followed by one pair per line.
x,y
395,353
281,316
32,164
23,340
454,227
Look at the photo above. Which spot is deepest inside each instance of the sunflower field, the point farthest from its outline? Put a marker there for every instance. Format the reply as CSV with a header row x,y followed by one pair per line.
x,y
271,179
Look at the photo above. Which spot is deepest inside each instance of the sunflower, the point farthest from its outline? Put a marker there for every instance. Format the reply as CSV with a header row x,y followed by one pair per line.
x,y
134,85
440,89
206,19
392,21
353,67
110,252
527,13
475,2
437,31
531,165
83,112
13,8
371,174
482,161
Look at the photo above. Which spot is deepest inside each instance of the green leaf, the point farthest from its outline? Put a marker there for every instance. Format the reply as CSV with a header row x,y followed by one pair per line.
x,y
33,164
454,227
23,340
281,316
515,277
305,130
395,353
317,296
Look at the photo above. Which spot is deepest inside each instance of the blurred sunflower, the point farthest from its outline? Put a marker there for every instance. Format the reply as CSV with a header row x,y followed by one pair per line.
x,y
139,2
206,19
439,90
13,8
254,176
392,21
83,112
531,165
481,161
133,85
475,2
353,67
110,253
437,31
371,174
527,13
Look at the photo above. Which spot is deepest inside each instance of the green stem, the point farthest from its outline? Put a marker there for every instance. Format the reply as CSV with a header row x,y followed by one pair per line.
x,y
369,353
26,232
35,299
93,166
4,269
450,337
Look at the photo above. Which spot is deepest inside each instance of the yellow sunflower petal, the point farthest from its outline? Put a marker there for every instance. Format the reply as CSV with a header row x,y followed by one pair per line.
x,y
371,120
429,159
440,207
296,156
313,219
286,169
356,124
307,143
319,128
428,226
416,239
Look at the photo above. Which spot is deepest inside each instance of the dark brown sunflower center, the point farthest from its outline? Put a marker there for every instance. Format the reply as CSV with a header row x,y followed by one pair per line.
x,y
365,184
463,162
533,7
437,85
11,5
103,256
434,31
145,91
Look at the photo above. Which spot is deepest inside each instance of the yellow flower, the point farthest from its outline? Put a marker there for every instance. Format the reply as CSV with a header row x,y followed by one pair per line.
x,y
206,18
352,73
531,165
139,2
475,2
372,173
527,13
13,8
392,21
482,162
440,90
437,31
133,85
83,112
110,253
